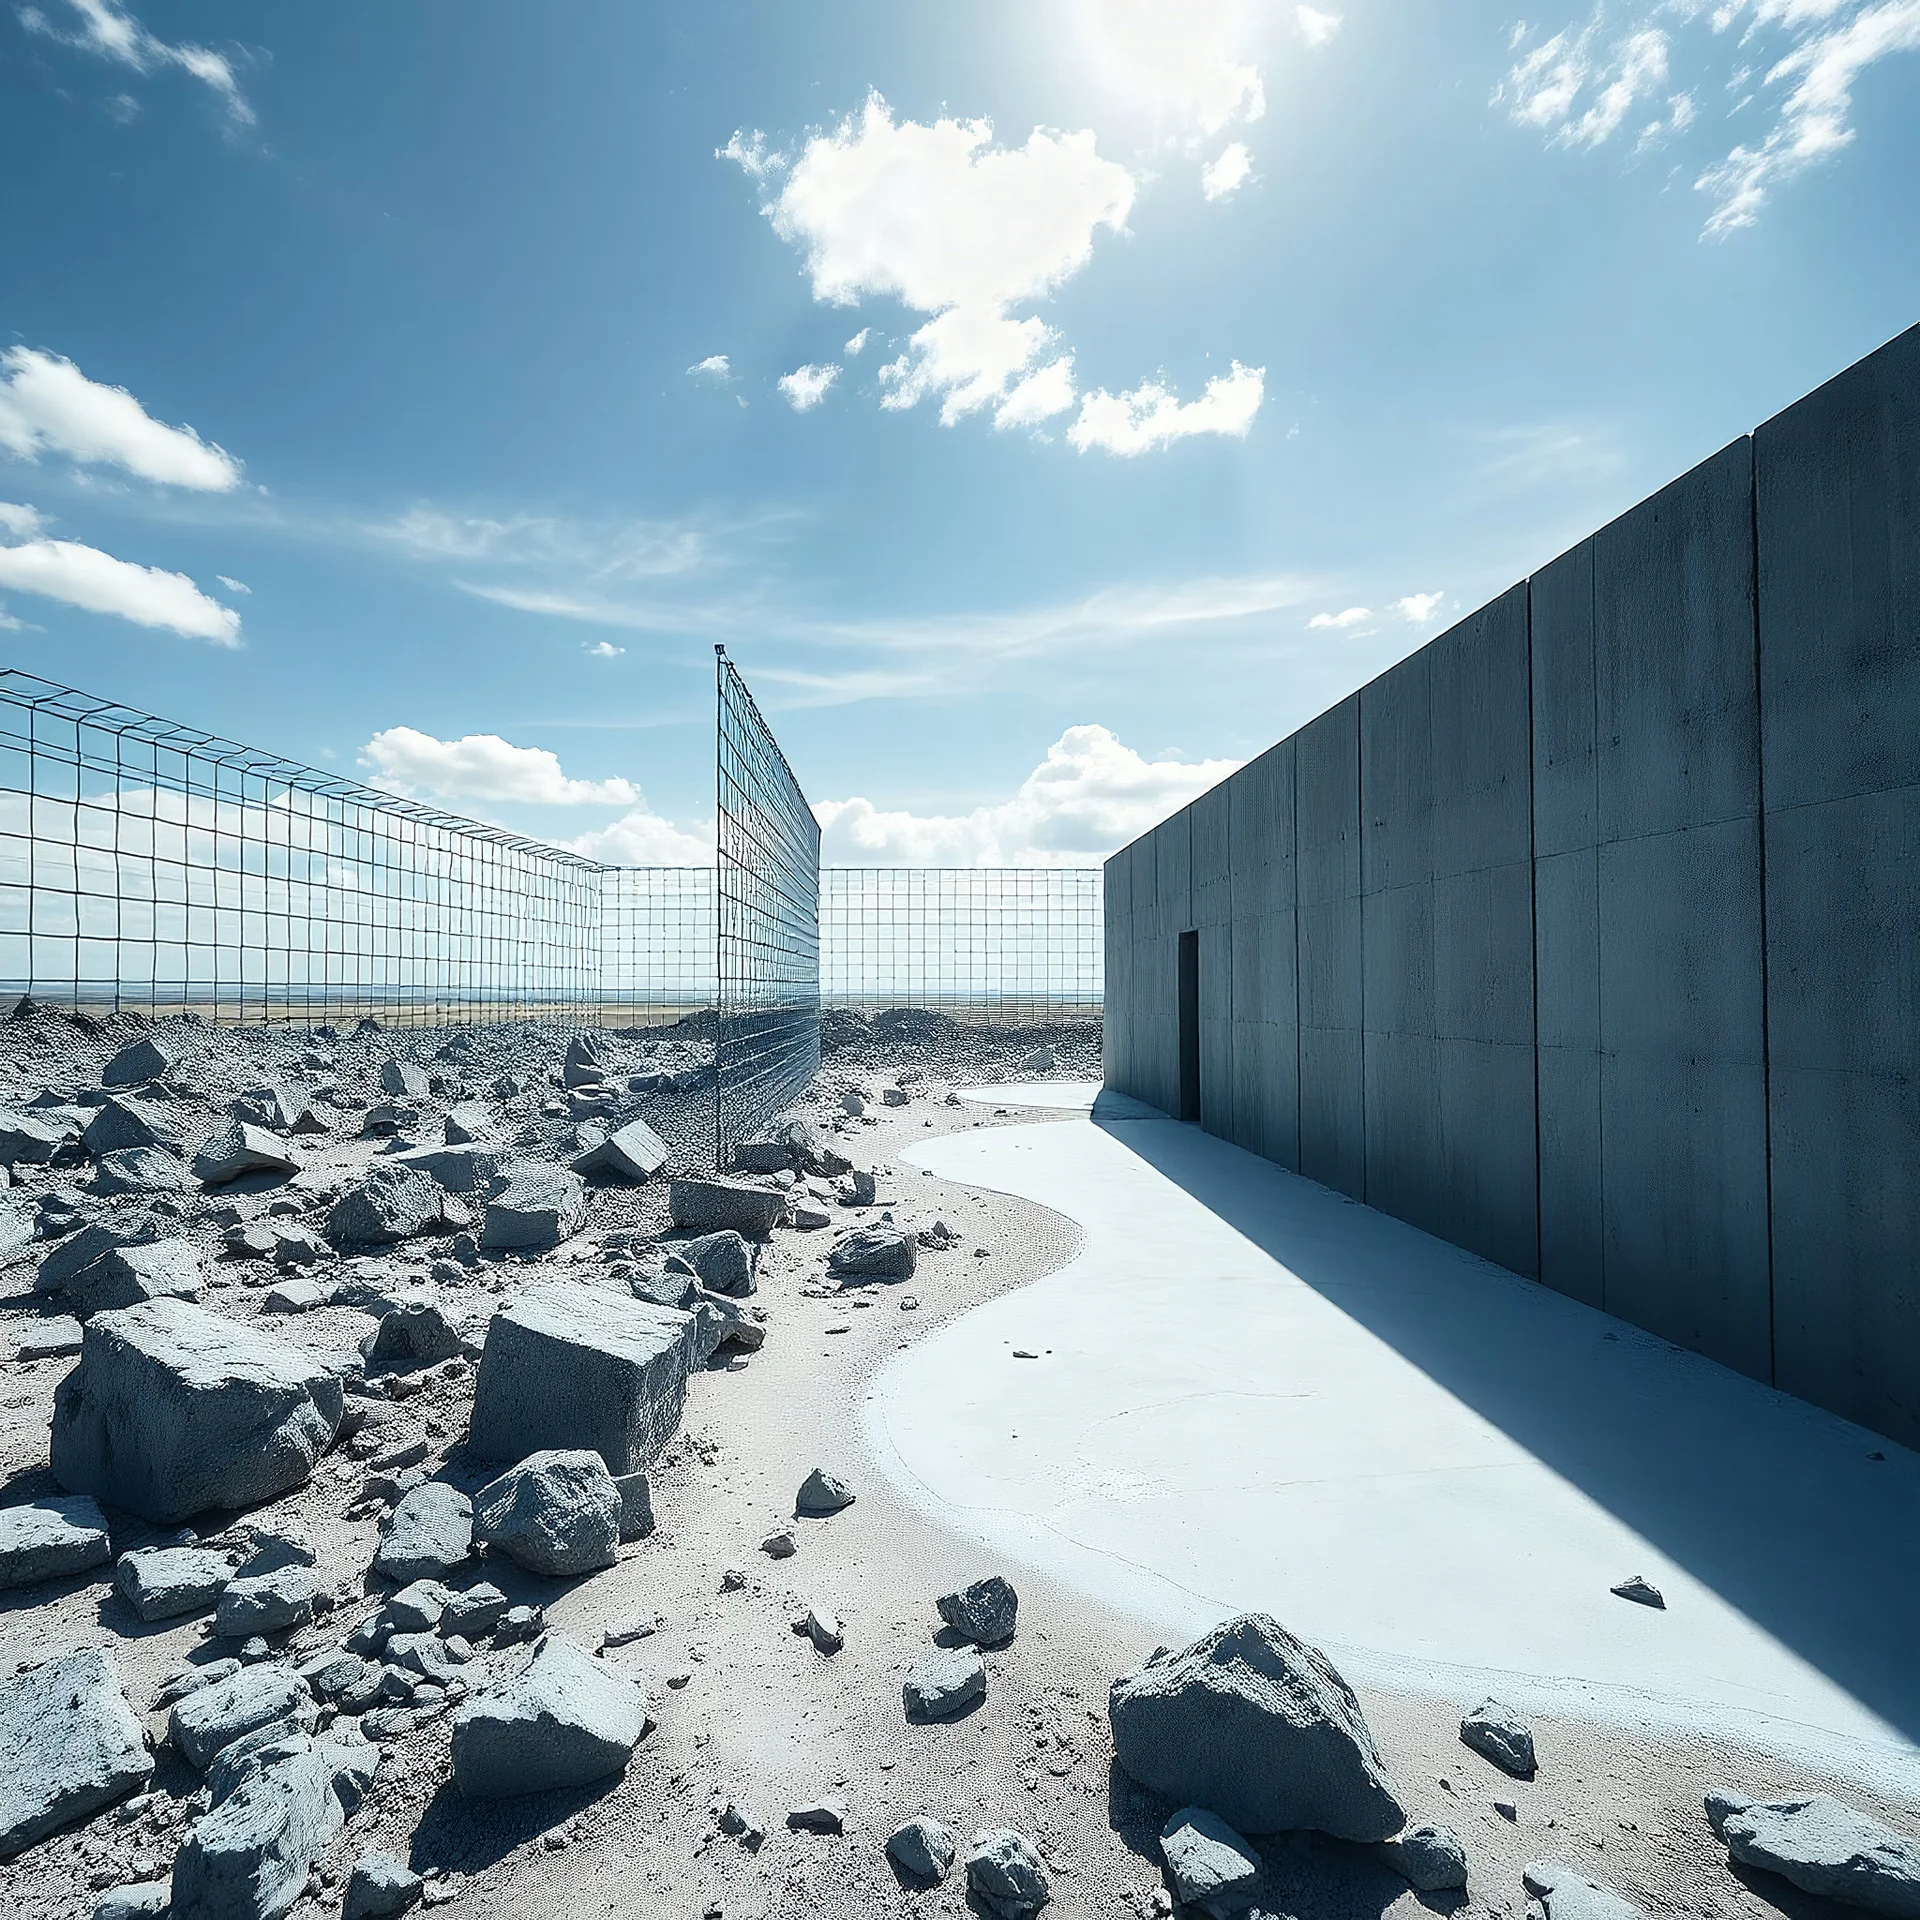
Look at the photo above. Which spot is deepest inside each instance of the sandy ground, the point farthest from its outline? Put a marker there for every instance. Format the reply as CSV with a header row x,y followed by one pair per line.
x,y
749,1712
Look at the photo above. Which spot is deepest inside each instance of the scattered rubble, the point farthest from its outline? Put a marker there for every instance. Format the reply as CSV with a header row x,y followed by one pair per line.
x,y
1824,1848
50,1539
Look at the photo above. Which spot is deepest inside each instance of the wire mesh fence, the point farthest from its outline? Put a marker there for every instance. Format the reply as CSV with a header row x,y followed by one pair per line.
x,y
767,886
657,934
150,866
999,946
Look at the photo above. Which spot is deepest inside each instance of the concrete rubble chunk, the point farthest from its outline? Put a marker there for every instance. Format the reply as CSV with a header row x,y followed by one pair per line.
x,y
923,1849
73,1255
428,1535
984,1612
1040,1060
708,1206
69,1745
1498,1734
393,1201
416,1332
51,1539
380,1888
723,1262
557,1513
818,1816
134,1900
1006,1874
1210,1866
163,1583
1259,1727
140,1170
478,1610
212,1717
943,1683
535,1204
403,1080
636,1505
1561,1894
250,1856
564,1720
1429,1858
173,1410
822,1493
1823,1847
720,1320
467,1122
294,1296
127,1276
127,1122
54,1338
874,1253
1639,1589
571,1366
267,1602
147,1058
633,1152
418,1606
239,1149
27,1140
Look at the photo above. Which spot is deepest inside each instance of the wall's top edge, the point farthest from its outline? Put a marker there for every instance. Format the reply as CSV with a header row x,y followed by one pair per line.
x,y
1906,337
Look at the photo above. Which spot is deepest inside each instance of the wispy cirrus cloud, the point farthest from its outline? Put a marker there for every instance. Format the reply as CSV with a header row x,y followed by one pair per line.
x,y
1614,74
111,32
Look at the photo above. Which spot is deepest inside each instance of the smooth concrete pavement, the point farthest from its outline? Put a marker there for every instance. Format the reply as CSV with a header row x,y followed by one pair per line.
x,y
1251,1392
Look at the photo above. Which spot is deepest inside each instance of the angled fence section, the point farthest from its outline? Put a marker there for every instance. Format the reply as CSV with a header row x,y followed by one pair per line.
x,y
767,908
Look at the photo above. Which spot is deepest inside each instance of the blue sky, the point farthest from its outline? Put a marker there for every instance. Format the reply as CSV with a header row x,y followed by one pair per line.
x,y
421,393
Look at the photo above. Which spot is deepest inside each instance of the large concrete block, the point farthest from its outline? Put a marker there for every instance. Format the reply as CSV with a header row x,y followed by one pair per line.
x,y
1566,794
575,1367
1396,758
1260,832
70,1746
1483,955
1479,711
1326,790
173,1411
1837,500
1405,1149
1331,979
1676,711
1398,960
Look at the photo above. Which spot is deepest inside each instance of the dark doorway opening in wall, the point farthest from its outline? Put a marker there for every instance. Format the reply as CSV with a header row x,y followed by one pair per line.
x,y
1190,1026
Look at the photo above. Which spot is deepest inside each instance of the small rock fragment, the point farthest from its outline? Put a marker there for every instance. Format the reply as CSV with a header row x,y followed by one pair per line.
x,y
1638,1588
51,1539
1429,1858
558,1513
1565,1895
1211,1867
563,1720
71,1747
380,1888
821,1494
1498,1734
984,1612
1006,1874
943,1683
923,1849
818,1816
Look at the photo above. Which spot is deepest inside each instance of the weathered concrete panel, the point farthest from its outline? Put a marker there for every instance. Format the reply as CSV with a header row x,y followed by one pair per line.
x,y
1332,1112
1683,1111
1326,788
1216,1027
1397,775
1843,882
1212,870
1837,498
1676,704
1487,1179
1566,794
1260,832
1567,973
1479,800
1405,1146
1483,956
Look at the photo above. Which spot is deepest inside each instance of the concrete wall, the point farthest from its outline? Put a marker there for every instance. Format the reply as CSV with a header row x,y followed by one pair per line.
x,y
1588,937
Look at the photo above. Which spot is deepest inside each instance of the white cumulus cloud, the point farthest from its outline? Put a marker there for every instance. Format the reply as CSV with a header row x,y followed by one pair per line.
x,y
47,405
602,650
1185,58
1220,176
1090,795
643,838
1344,621
715,366
96,582
20,520
1417,608
1317,27
110,31
484,767
805,387
858,343
1150,416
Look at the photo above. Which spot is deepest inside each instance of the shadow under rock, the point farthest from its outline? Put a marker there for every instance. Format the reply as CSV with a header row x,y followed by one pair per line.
x,y
458,1835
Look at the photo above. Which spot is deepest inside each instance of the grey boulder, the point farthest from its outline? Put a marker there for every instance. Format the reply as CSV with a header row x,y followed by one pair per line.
x,y
428,1534
127,1276
69,1745
1561,1894
558,1513
984,1612
468,1169
564,1720
633,1152
162,1583
392,1202
71,1257
1006,1874
134,1900
1258,1726
140,1170
723,1262
1211,1867
874,1253
173,1410
50,1539
923,1849
1498,1734
267,1602
240,1149
210,1719
1823,1847
467,1123
571,1366
1429,1858
708,1206
822,1493
380,1888
129,1122
23,1138
534,1205
943,1683
141,1060
416,1331
403,1080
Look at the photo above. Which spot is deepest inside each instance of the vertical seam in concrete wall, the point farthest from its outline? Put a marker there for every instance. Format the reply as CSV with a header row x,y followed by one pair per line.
x,y
1360,919
1760,841
1299,1121
1533,938
1599,931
